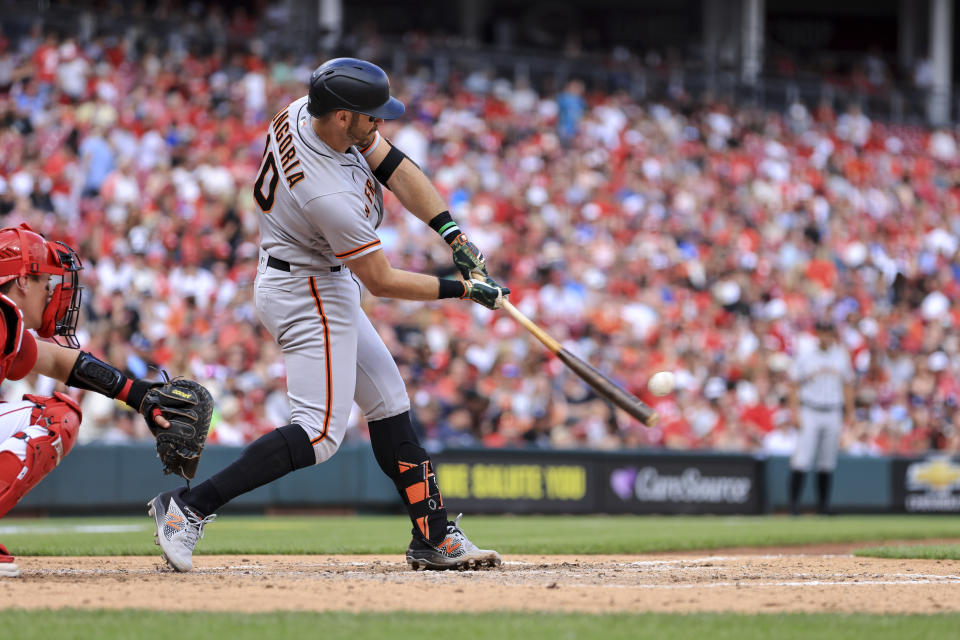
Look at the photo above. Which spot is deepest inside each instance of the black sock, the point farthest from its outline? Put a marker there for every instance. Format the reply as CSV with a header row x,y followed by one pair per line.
x,y
264,460
796,488
400,456
824,482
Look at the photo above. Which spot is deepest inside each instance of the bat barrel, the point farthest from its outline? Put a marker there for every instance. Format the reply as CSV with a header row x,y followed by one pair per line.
x,y
603,385
609,389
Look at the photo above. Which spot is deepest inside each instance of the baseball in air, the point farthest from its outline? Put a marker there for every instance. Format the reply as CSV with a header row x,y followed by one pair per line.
x,y
660,384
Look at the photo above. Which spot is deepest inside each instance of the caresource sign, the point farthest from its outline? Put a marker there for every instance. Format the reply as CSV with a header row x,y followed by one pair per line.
x,y
690,486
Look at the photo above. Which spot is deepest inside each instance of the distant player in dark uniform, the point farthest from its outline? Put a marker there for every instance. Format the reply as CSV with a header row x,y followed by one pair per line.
x,y
822,396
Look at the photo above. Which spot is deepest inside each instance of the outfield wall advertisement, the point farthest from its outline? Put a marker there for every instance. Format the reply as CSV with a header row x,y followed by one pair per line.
x,y
548,482
683,485
926,485
115,479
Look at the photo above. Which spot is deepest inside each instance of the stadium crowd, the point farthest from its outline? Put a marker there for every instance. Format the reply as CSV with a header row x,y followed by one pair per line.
x,y
690,236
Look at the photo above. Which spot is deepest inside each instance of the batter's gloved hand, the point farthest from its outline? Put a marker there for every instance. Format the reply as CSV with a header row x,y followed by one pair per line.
x,y
468,259
488,293
188,407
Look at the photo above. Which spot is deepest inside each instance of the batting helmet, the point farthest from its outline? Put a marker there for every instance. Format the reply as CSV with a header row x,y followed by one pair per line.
x,y
24,252
353,85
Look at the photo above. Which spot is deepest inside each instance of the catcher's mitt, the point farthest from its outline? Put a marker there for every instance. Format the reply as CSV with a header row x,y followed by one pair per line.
x,y
188,406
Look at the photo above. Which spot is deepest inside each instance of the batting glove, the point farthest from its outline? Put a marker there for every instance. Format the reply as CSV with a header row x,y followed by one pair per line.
x,y
489,295
468,258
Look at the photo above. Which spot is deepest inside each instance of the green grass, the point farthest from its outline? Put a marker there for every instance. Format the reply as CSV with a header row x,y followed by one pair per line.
x,y
508,534
923,552
148,625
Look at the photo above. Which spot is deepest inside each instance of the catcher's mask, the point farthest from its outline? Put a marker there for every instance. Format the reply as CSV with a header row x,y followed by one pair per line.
x,y
24,252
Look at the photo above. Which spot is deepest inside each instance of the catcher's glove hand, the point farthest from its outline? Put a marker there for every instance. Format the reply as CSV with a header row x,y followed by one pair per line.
x,y
187,406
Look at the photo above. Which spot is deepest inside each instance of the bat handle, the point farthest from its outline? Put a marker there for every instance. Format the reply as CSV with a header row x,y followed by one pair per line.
x,y
529,325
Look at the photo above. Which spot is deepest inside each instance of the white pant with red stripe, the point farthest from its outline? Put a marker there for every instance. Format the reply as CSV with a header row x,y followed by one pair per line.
x,y
37,433
333,354
15,417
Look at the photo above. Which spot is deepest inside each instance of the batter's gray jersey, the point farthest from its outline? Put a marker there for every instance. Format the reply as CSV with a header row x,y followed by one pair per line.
x,y
321,207
820,375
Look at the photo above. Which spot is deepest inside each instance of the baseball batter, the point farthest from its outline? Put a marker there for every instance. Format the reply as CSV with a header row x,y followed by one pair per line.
x,y
320,200
821,396
39,291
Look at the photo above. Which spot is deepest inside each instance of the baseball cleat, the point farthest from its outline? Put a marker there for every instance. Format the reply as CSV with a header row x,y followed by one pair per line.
x,y
178,528
454,552
8,568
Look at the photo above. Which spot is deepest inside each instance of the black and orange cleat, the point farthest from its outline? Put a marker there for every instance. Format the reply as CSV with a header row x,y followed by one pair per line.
x,y
454,552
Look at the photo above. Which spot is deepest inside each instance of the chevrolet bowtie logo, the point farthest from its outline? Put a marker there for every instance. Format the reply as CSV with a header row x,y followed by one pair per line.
x,y
938,474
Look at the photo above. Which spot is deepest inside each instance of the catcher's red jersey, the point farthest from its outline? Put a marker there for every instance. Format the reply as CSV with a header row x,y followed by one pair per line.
x,y
18,349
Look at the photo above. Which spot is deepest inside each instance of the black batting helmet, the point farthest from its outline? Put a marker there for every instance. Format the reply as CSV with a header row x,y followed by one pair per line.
x,y
354,85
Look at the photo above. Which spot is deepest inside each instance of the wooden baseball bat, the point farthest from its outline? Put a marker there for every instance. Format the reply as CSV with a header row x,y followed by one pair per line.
x,y
603,385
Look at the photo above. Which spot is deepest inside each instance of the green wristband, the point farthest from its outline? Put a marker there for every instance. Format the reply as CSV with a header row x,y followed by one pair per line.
x,y
443,224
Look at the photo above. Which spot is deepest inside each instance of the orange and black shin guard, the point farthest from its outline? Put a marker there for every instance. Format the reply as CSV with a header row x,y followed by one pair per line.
x,y
417,485
400,456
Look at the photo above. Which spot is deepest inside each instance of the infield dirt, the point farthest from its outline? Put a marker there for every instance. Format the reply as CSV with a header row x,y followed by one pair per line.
x,y
816,580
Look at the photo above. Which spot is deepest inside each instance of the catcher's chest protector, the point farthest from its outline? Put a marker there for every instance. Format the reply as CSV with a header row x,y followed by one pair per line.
x,y
51,435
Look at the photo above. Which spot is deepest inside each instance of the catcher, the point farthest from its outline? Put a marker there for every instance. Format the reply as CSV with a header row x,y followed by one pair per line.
x,y
39,290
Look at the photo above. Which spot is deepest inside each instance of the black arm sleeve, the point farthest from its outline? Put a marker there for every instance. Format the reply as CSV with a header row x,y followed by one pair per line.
x,y
388,165
93,374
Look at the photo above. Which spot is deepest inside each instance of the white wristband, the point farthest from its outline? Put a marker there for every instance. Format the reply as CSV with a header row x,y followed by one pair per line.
x,y
373,145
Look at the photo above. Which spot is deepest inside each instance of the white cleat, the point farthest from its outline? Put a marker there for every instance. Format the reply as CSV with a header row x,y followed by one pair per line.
x,y
8,568
178,529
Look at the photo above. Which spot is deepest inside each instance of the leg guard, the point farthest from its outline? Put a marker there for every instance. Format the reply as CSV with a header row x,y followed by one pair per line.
x,y
401,457
31,454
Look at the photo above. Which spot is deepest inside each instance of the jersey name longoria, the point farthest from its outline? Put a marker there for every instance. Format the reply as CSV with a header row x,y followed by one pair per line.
x,y
288,152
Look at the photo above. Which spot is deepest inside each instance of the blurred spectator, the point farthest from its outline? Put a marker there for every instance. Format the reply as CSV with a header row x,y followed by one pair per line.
x,y
97,159
854,126
571,107
781,441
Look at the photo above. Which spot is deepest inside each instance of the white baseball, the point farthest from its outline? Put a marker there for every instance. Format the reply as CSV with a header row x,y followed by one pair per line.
x,y
660,384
